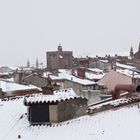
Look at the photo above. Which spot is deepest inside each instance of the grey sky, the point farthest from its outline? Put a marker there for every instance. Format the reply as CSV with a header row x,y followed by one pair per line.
x,y
29,28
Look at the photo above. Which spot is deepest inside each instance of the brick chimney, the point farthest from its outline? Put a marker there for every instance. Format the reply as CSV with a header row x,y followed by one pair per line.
x,y
47,90
81,72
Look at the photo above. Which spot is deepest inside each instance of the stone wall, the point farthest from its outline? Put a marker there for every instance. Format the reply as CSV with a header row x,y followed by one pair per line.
x,y
36,80
92,96
53,113
75,86
59,60
71,109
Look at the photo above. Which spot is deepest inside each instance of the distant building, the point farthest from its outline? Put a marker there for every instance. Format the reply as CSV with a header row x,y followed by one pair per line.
x,y
137,54
39,81
59,59
11,89
21,73
81,62
135,58
120,76
81,86
35,79
131,52
103,65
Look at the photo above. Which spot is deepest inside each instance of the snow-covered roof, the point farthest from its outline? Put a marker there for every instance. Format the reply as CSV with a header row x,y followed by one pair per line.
x,y
125,66
72,78
95,70
13,68
104,61
4,73
94,76
67,71
118,124
58,95
11,86
103,54
112,102
46,74
65,74
129,73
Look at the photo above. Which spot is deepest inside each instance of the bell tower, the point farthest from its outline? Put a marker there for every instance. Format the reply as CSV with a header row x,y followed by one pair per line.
x,y
131,52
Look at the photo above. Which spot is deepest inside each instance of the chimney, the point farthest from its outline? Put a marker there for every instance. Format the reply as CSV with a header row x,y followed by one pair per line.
x,y
81,72
47,90
119,88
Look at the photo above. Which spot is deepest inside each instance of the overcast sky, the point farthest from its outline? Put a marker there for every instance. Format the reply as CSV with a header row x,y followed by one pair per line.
x,y
29,28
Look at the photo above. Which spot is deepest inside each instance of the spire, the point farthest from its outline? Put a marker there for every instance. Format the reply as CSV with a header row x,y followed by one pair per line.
x,y
139,46
131,52
37,64
28,63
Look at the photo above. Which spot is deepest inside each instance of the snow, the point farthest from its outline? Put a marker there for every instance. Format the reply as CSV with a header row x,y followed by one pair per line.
x,y
57,96
112,102
94,76
120,65
125,66
129,73
67,71
95,70
62,76
4,73
11,86
65,74
60,56
119,124
104,61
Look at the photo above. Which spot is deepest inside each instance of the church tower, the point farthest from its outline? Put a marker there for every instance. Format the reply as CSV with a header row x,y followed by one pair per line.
x,y
28,63
37,64
131,52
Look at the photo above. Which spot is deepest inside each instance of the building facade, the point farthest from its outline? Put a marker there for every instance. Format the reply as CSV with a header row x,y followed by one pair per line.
x,y
59,59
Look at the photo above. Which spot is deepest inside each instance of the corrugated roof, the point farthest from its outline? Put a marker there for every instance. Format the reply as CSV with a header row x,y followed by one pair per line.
x,y
119,124
58,96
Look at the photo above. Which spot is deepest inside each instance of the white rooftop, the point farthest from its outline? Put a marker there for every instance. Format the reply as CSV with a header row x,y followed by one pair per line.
x,y
94,73
104,61
129,73
119,124
125,66
72,78
95,70
11,86
58,95
93,76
